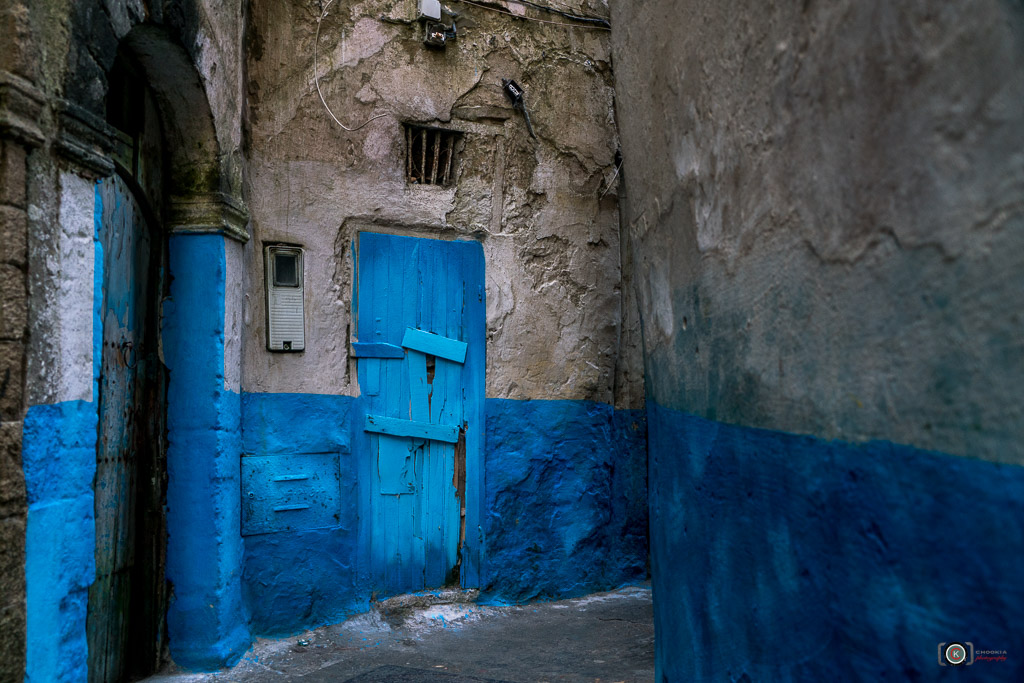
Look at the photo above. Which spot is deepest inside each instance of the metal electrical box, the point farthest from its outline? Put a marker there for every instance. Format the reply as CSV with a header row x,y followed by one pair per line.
x,y
285,314
429,9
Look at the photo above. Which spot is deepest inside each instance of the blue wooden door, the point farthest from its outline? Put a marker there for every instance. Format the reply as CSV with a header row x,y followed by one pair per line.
x,y
420,332
125,611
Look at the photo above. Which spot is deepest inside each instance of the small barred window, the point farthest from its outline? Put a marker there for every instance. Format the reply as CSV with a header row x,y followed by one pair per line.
x,y
430,155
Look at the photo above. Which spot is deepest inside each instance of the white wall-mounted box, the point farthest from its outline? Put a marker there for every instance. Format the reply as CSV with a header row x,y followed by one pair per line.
x,y
429,9
286,320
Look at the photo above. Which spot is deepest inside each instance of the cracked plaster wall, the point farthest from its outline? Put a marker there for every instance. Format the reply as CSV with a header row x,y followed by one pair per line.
x,y
550,240
825,200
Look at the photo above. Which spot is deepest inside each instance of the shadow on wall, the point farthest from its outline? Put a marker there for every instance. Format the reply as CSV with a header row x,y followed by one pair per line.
x,y
785,557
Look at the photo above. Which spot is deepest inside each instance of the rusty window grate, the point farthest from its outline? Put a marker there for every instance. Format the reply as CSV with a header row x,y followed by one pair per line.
x,y
429,155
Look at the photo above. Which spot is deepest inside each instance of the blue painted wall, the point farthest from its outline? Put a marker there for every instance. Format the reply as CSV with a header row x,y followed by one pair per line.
x,y
296,580
59,457
206,620
566,498
785,557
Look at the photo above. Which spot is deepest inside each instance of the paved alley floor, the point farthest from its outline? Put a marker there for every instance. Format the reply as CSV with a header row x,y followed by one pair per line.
x,y
436,638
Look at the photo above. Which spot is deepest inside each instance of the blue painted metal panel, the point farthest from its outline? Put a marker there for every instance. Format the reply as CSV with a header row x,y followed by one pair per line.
x,y
404,283
289,492
435,344
377,350
422,430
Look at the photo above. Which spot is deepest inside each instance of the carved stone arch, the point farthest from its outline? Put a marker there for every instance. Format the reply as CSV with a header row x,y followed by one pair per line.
x,y
199,199
199,196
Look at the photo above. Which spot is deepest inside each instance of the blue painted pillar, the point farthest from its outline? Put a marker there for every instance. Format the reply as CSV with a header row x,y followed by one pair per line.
x,y
205,619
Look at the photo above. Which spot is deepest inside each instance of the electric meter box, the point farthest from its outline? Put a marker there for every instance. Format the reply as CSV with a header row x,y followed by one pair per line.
x,y
285,315
429,9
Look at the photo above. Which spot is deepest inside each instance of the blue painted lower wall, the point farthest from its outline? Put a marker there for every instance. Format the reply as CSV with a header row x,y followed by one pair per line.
x,y
566,498
295,580
784,557
59,457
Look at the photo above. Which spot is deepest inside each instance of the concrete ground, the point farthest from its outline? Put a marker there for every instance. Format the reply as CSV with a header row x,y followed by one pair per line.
x,y
444,637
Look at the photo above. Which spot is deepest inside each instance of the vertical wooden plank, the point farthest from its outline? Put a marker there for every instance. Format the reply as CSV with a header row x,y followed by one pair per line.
x,y
408,154
453,378
439,563
423,161
391,397
428,281
381,291
404,250
448,160
473,381
437,154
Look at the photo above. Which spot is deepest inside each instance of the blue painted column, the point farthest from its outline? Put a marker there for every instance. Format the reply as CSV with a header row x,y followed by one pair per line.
x,y
205,619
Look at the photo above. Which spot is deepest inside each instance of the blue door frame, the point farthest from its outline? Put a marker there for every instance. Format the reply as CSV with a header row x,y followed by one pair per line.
x,y
420,325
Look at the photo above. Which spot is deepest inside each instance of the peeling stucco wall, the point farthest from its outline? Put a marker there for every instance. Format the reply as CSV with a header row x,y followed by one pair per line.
x,y
550,239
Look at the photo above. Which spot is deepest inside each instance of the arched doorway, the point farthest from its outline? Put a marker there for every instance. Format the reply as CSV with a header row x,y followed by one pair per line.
x,y
127,602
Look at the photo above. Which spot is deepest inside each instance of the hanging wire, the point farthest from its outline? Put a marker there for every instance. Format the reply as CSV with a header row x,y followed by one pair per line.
x,y
540,21
316,77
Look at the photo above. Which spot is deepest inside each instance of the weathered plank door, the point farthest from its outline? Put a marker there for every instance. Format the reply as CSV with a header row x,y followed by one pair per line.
x,y
125,612
420,331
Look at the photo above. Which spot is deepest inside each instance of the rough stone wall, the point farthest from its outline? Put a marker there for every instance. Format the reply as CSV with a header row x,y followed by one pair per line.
x,y
13,327
825,200
19,134
550,239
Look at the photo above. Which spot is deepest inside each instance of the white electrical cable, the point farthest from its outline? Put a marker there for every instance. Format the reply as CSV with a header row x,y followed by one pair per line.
x,y
316,77
614,176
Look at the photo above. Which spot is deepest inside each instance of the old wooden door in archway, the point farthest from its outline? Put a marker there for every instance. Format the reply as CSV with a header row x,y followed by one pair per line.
x,y
420,330
125,615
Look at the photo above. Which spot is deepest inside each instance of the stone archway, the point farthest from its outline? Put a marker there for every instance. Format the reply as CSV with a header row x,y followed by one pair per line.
x,y
203,222
53,89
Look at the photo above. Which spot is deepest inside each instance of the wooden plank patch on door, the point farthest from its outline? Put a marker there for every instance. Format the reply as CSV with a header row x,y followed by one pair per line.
x,y
435,344
394,426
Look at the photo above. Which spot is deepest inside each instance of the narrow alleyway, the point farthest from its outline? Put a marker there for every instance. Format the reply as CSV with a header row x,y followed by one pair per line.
x,y
439,639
